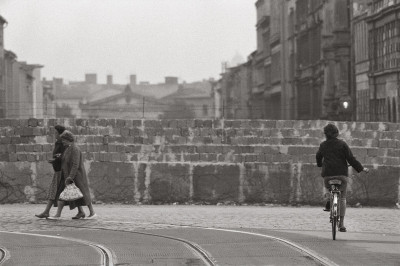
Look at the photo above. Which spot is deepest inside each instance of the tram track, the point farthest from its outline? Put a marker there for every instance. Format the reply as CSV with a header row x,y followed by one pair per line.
x,y
312,254
195,248
4,255
105,253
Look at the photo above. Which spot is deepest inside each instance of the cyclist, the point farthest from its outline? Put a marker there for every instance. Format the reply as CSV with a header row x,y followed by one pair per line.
x,y
334,156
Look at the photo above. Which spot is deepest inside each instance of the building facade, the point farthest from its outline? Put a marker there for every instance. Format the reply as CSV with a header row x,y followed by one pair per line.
x,y
192,100
235,87
383,23
3,22
361,61
21,92
260,64
125,105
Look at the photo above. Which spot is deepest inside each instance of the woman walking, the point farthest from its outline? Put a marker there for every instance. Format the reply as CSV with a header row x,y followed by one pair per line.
x,y
56,162
73,170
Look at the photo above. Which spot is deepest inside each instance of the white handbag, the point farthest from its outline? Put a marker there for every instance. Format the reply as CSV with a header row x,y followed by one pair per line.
x,y
70,193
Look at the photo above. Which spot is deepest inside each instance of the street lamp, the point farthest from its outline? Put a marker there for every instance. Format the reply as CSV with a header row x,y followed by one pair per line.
x,y
345,108
345,105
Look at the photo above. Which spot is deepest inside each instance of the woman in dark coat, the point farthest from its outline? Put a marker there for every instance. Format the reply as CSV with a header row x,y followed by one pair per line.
x,y
73,170
56,162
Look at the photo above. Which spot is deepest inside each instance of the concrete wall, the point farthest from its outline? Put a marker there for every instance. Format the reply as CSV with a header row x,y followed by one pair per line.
x,y
162,161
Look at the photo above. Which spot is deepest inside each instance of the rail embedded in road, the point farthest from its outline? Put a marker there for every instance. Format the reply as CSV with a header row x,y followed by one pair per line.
x,y
105,253
4,255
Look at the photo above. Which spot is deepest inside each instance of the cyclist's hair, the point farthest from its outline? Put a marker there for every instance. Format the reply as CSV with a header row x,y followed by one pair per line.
x,y
331,131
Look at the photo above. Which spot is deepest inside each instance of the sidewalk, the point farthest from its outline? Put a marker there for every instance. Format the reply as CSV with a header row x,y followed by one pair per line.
x,y
375,220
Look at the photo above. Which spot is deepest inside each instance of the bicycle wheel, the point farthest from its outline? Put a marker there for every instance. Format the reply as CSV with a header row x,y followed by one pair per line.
x,y
334,214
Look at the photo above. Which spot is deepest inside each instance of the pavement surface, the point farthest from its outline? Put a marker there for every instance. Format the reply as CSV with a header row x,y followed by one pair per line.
x,y
198,235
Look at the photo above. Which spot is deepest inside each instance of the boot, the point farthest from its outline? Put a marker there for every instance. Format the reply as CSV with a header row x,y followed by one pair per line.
x,y
342,228
327,206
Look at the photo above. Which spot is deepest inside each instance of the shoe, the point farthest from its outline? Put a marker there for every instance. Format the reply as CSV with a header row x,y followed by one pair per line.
x,y
53,218
79,216
41,216
342,229
327,206
93,217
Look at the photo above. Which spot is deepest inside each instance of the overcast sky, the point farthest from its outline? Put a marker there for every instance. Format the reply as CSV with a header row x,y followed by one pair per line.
x,y
150,38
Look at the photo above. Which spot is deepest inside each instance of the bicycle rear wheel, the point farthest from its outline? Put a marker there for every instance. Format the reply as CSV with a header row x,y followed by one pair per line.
x,y
334,215
334,223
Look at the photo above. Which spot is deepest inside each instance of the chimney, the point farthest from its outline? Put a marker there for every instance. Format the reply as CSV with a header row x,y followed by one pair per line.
x,y
109,79
91,78
171,80
132,81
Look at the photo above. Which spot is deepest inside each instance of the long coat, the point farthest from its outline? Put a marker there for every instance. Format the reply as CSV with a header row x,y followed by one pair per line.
x,y
52,192
72,166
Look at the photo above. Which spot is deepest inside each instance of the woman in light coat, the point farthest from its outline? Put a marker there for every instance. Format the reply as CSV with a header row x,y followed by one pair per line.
x,y
73,170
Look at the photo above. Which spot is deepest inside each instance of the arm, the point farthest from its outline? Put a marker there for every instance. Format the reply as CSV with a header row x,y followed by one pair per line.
x,y
352,160
58,148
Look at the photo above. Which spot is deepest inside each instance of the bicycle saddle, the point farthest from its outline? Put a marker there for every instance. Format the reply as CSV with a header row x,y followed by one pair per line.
x,y
335,182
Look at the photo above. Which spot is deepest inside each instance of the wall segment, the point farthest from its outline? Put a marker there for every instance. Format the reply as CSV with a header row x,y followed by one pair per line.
x,y
162,161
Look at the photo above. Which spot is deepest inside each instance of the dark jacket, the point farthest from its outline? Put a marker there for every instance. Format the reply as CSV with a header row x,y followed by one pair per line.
x,y
58,149
333,156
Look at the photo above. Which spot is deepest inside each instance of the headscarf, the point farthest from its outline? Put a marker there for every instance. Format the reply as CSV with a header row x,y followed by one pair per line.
x,y
67,135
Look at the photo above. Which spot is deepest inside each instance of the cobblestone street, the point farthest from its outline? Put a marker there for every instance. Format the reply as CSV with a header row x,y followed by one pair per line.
x,y
376,220
373,235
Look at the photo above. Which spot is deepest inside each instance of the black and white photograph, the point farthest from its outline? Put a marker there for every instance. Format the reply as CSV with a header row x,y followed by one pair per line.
x,y
199,132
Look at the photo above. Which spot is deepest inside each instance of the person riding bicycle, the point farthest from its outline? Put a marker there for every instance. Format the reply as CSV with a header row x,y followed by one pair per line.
x,y
334,156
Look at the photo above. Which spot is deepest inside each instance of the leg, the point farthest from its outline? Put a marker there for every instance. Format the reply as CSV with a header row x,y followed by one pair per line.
x,y
90,206
327,206
80,210
46,211
60,205
327,195
92,214
59,208
80,214
343,204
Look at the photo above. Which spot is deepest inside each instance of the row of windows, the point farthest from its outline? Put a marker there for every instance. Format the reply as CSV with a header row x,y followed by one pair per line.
x,y
379,5
388,48
385,63
386,31
384,109
385,46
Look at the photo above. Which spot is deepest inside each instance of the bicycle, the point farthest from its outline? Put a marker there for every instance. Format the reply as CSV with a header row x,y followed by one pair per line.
x,y
335,195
